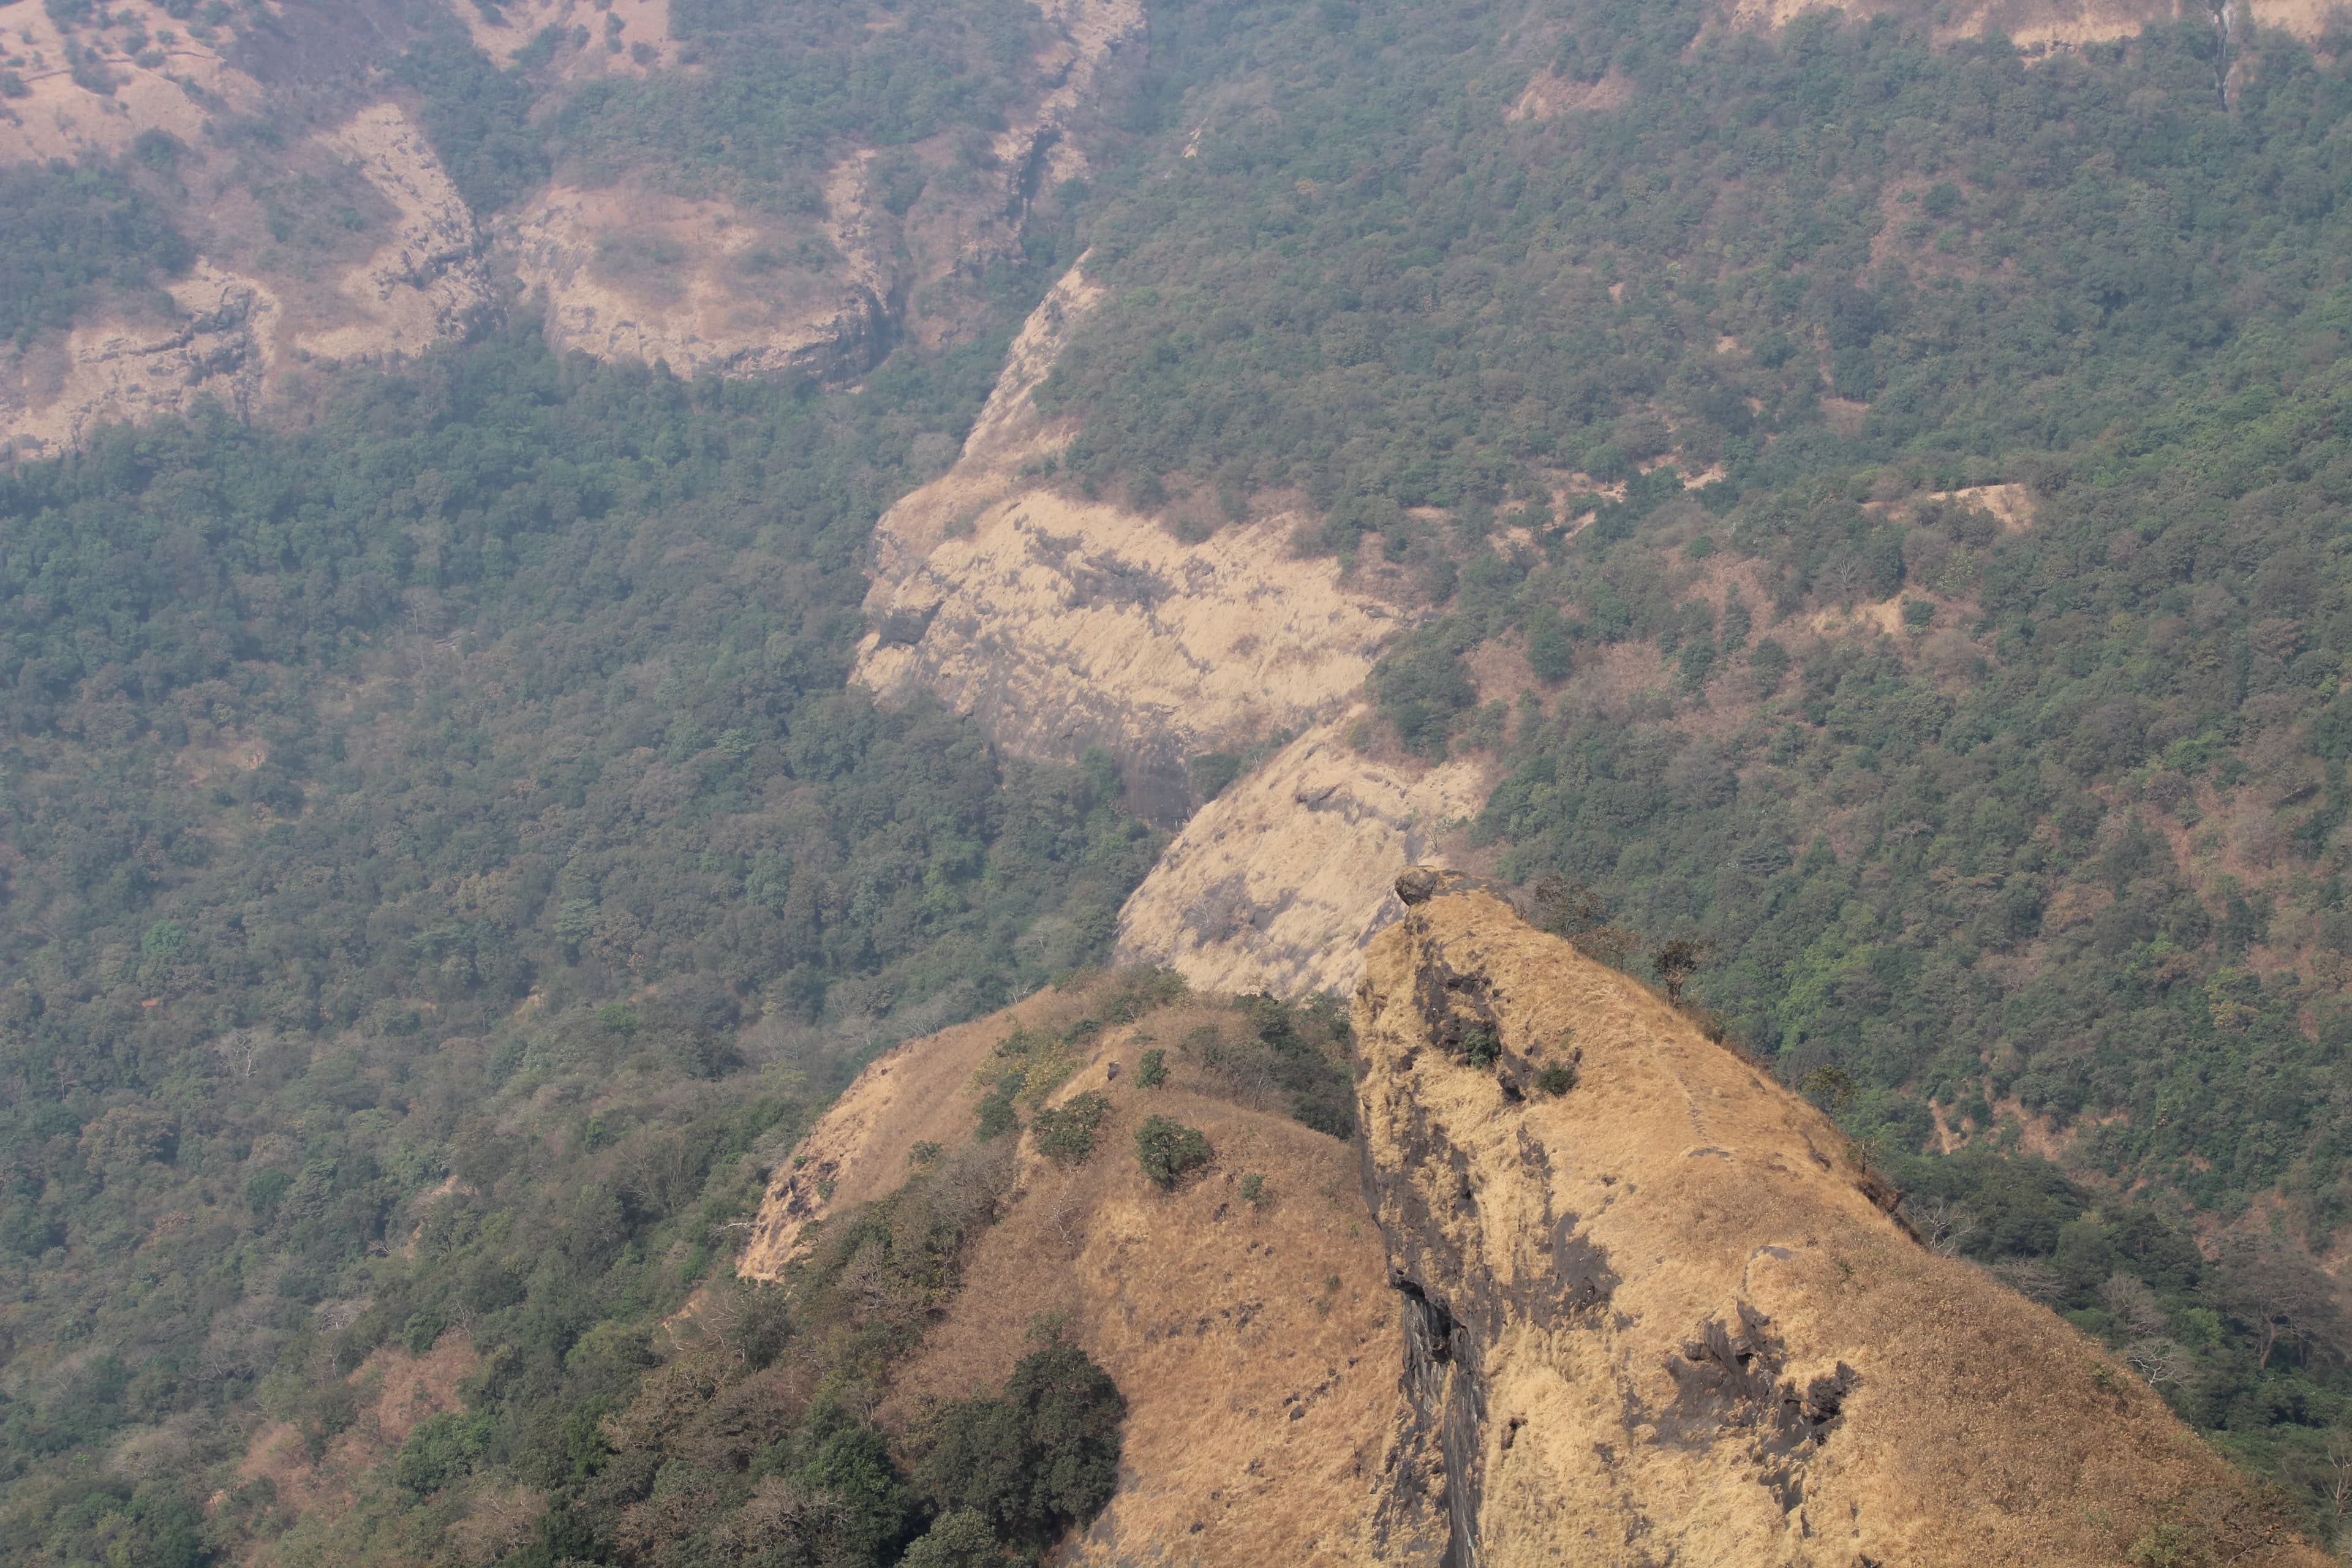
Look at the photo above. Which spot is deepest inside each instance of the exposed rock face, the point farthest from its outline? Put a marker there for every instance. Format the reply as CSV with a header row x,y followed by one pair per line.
x,y
1036,149
221,346
633,272
1664,1317
1281,882
2055,24
230,332
428,284
1064,624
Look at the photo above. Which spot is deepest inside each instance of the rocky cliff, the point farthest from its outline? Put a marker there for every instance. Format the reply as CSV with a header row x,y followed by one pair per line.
x,y
632,264
1663,1314
1064,623
388,260
1589,1289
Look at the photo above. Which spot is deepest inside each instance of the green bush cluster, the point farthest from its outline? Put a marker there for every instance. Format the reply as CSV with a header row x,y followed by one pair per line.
x,y
1033,1461
1067,1133
600,801
1169,1150
71,232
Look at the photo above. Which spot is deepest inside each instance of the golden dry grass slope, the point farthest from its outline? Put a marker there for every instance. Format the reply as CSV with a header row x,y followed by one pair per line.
x,y
1664,1318
1661,1317
1256,1345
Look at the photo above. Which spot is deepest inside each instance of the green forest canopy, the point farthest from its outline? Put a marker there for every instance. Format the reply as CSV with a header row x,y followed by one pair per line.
x,y
463,792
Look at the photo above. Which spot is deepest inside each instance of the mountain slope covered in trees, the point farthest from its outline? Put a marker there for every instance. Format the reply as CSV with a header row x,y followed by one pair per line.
x,y
1873,501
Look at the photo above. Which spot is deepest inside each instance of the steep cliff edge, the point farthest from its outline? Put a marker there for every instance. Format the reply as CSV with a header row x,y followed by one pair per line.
x,y
1662,1316
1589,1289
1280,883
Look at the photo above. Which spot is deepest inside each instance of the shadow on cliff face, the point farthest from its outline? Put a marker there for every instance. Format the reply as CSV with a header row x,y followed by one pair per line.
x,y
1660,1307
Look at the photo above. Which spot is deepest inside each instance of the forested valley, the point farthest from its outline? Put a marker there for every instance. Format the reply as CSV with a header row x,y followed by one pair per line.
x,y
446,865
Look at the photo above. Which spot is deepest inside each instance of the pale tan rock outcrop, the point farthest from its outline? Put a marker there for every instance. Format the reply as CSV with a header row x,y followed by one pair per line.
x,y
228,332
1087,33
2053,24
1008,437
1281,882
428,283
221,347
635,269
632,271
60,118
1064,624
1664,1317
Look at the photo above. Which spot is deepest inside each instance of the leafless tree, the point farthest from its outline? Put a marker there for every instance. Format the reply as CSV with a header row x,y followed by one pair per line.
x,y
2336,1486
2159,1362
2029,1278
2134,1305
1068,1217
1843,574
1942,1223
743,1318
2278,1294
238,1050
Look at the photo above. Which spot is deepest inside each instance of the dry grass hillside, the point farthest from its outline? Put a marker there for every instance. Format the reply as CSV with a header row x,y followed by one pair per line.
x,y
1662,1316
1255,1342
162,84
1648,1307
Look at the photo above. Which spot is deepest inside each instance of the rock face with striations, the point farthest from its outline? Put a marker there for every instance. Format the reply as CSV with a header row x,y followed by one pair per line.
x,y
1664,1316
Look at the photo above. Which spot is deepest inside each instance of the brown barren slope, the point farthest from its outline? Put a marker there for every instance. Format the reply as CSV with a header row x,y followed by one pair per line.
x,y
1256,1345
1663,1318
917,1093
